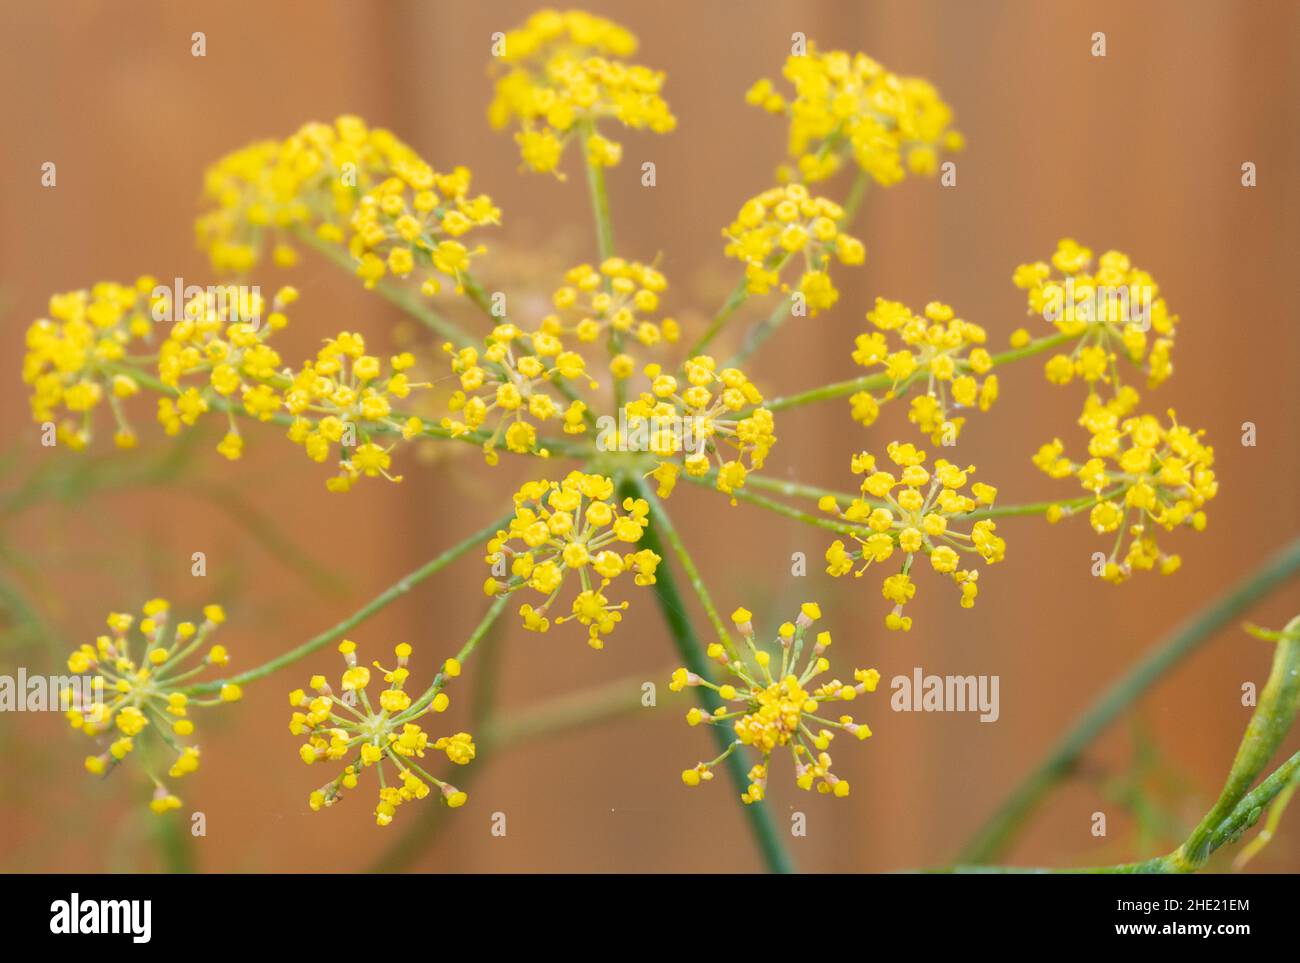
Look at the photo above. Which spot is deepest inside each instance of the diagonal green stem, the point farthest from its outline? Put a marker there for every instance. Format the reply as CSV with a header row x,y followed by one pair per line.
x,y
673,609
1247,811
857,194
599,197
787,511
883,380
797,489
1239,807
997,833
383,599
735,299
396,294
760,332
688,566
1269,724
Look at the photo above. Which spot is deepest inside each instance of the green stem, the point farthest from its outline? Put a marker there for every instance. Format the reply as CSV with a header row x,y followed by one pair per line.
x,y
1036,508
599,198
857,193
735,299
787,511
396,294
1037,346
688,566
760,332
673,609
172,838
882,380
998,832
466,650
1246,813
1238,807
604,236
800,490
1266,834
383,599
1269,724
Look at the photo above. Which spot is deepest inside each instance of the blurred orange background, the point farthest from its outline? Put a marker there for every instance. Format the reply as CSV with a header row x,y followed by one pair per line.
x,y
1140,151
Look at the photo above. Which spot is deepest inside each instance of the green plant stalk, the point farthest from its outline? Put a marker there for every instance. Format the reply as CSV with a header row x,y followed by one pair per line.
x,y
599,197
172,841
857,194
786,511
1269,724
1248,810
485,686
1069,506
673,609
1266,834
396,294
997,833
380,601
440,678
1239,807
882,381
604,236
688,566
739,294
760,332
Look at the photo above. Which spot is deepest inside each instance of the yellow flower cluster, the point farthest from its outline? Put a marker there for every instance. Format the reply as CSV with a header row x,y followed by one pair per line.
x,y
409,225
689,420
849,105
768,710
1112,312
562,74
309,181
620,296
326,178
348,727
1143,475
911,513
223,342
509,378
216,356
785,221
338,398
137,684
940,348
75,359
569,525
